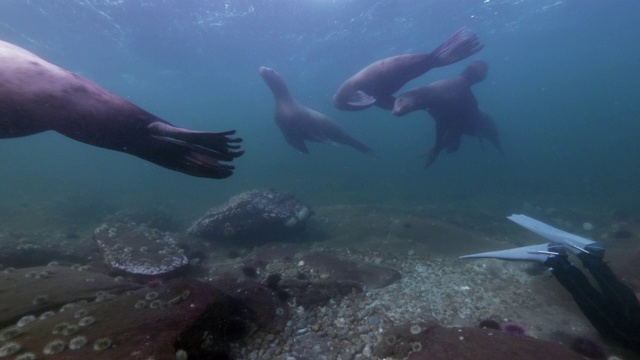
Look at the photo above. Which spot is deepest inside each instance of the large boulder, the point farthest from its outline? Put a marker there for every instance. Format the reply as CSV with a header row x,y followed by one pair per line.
x,y
252,216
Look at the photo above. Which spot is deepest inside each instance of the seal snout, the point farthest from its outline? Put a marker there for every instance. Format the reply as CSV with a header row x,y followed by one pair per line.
x,y
263,70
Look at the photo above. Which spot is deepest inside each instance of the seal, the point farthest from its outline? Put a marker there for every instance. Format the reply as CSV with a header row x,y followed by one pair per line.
x,y
376,83
455,109
299,123
37,96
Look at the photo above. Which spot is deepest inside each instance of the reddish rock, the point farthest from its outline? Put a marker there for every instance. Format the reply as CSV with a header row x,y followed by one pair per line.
x,y
180,315
32,291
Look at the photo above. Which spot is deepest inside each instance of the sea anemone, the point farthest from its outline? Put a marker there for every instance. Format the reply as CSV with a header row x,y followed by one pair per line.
x,y
40,299
416,346
9,349
54,347
46,315
102,344
155,304
70,330
391,340
151,295
415,329
59,328
77,342
86,321
10,333
25,320
26,356
512,329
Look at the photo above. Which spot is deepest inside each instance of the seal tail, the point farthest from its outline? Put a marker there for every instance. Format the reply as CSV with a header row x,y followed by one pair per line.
x,y
339,135
459,46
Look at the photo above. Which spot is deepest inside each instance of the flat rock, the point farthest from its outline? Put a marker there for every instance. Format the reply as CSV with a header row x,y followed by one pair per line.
x,y
371,275
33,291
254,216
139,250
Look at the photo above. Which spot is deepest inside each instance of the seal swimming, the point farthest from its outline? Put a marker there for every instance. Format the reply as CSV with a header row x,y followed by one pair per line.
x,y
455,109
37,96
376,83
298,123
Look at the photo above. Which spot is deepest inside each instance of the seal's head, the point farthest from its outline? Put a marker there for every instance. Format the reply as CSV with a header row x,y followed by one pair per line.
x,y
406,103
475,72
274,81
266,72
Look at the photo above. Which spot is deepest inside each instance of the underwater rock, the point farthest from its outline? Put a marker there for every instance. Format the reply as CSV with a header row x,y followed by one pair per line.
x,y
316,293
22,250
270,312
371,275
629,272
180,316
36,290
152,218
138,249
254,215
428,341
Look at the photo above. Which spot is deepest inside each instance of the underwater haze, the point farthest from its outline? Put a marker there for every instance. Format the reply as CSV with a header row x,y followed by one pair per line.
x,y
563,87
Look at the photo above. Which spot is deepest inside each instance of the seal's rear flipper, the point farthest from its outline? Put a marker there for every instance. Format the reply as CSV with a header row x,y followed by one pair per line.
x,y
349,140
196,153
458,46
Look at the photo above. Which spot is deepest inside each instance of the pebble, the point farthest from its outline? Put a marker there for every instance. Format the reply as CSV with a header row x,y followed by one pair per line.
x,y
367,352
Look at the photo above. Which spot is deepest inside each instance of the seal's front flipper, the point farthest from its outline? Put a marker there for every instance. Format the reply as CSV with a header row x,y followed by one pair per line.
x,y
360,98
431,156
458,46
297,142
539,253
486,128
